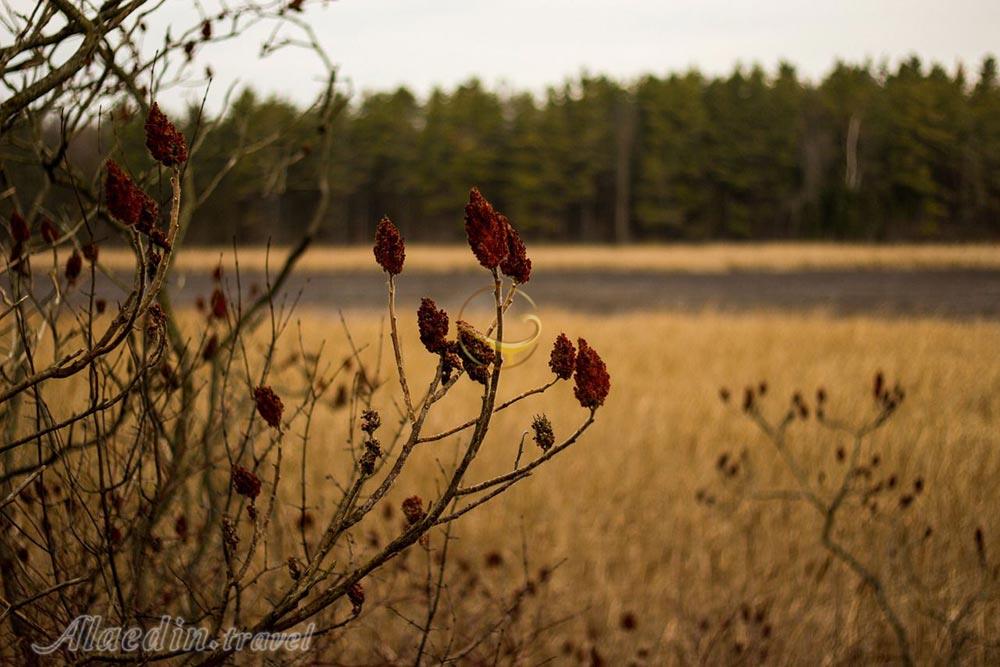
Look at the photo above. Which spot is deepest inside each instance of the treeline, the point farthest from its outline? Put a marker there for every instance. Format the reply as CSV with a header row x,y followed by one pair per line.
x,y
867,153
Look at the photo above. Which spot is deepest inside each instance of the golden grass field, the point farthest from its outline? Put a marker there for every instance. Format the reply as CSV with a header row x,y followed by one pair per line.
x,y
710,257
619,507
647,574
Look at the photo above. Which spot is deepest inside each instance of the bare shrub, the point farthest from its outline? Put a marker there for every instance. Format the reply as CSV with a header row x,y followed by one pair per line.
x,y
865,521
147,472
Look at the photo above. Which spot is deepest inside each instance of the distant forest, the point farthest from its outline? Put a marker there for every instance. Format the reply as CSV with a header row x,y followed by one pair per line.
x,y
868,153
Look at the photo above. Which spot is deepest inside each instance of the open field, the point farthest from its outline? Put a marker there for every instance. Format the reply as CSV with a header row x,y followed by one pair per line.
x,y
686,257
645,572
619,509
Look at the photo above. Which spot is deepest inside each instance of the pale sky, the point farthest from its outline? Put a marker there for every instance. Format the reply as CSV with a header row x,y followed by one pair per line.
x,y
528,44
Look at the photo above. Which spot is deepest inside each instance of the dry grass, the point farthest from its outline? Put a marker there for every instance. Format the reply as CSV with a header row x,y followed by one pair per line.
x,y
620,506
713,257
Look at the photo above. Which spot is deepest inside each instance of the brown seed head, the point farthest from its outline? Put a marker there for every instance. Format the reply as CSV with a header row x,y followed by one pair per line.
x,y
149,219
980,545
476,353
211,347
373,450
124,199
294,568
451,361
19,229
542,428
218,301
562,361
413,509
156,320
90,252
269,406
245,482
50,233
592,382
486,231
356,594
433,324
390,251
73,267
165,142
370,421
516,264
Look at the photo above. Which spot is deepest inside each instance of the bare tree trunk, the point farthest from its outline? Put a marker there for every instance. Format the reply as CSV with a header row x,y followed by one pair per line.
x,y
625,121
852,175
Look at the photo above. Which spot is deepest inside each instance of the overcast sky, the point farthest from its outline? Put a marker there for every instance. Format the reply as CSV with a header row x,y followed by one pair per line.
x,y
380,44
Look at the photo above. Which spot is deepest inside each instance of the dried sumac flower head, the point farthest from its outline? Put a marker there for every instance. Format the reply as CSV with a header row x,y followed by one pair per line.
x,y
370,421
562,361
413,509
799,406
218,301
148,219
211,347
165,142
356,594
542,428
50,233
373,450
475,352
90,252
390,251
156,320
19,229
73,267
245,482
592,380
269,406
451,361
486,230
433,324
516,264
124,199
